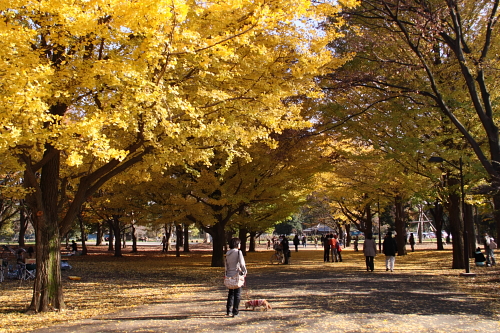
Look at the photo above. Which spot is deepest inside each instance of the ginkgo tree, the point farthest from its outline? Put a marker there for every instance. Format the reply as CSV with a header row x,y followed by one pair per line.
x,y
437,56
91,87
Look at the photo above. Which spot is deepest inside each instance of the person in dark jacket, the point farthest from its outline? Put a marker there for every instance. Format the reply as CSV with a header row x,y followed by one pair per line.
x,y
286,249
326,246
412,242
296,242
389,247
479,257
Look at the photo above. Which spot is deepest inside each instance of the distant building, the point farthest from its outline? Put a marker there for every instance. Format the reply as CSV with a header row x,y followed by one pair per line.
x,y
318,229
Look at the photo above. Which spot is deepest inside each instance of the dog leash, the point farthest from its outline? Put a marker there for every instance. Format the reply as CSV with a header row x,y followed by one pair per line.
x,y
245,288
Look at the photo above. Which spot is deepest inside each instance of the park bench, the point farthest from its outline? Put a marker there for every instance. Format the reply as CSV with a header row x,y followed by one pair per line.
x,y
28,269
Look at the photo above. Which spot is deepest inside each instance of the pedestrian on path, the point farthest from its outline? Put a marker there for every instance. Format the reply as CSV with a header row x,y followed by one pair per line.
x,y
370,251
296,242
164,243
412,242
235,264
491,251
286,249
326,248
334,247
339,250
486,243
389,248
74,248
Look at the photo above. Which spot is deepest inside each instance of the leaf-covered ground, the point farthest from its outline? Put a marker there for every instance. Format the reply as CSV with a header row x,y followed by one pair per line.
x,y
421,285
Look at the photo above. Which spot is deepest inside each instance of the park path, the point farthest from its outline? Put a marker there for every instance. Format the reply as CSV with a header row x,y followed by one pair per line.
x,y
334,298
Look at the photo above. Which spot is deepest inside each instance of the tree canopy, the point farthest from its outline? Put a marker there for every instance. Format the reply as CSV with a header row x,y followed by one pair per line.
x,y
90,88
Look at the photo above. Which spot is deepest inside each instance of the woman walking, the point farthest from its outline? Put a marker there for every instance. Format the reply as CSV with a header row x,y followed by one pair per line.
x,y
389,247
370,251
412,242
235,264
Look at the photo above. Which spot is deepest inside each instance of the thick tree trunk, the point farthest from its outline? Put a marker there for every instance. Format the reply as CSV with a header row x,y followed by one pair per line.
x,y
218,242
456,229
47,289
437,213
178,239
252,245
99,234
134,238
242,235
168,235
83,234
400,225
496,213
111,236
469,227
23,225
114,226
349,238
368,221
181,235
186,238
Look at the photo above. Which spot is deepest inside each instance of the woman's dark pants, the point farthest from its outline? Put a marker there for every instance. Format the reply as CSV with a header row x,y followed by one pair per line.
x,y
233,301
326,255
369,263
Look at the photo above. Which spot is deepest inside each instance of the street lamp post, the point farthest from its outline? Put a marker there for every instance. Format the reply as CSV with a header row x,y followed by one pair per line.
x,y
437,159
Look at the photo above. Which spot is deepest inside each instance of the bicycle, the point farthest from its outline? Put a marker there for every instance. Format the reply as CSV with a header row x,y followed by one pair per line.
x,y
277,257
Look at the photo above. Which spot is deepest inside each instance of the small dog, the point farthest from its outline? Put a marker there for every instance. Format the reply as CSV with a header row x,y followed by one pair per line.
x,y
258,302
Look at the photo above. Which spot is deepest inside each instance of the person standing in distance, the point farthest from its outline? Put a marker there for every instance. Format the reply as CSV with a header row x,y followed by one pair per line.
x,y
412,242
235,264
370,251
389,248
286,249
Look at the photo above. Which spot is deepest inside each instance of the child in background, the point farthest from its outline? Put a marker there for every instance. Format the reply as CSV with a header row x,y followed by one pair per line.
x,y
479,257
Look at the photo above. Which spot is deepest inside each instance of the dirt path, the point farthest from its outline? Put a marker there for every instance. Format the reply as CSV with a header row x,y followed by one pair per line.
x,y
332,297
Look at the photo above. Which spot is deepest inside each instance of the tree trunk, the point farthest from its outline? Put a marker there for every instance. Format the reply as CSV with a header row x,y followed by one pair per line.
x,y
349,238
218,241
82,233
437,213
178,239
242,235
252,245
469,227
496,213
114,225
400,225
111,236
47,289
456,229
186,238
134,239
99,234
368,221
168,235
23,225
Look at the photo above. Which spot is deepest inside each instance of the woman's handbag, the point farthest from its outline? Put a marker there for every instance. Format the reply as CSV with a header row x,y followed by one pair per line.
x,y
235,282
